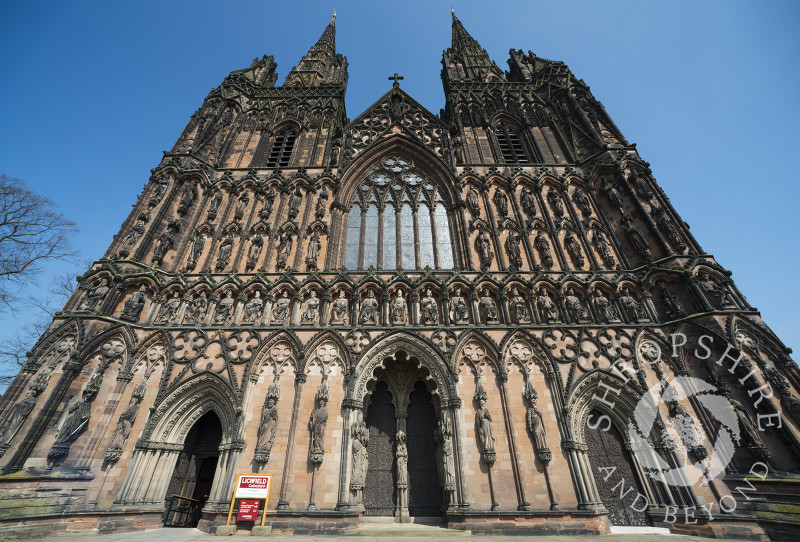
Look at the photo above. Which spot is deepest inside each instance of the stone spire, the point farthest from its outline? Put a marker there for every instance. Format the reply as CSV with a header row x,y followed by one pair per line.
x,y
321,65
466,60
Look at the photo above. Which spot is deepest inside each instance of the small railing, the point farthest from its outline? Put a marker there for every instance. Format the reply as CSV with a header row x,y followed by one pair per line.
x,y
183,512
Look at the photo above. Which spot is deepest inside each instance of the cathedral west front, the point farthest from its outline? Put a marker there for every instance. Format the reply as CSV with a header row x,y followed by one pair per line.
x,y
492,316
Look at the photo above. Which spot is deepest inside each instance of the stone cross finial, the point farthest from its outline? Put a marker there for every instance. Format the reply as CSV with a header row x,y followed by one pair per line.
x,y
396,79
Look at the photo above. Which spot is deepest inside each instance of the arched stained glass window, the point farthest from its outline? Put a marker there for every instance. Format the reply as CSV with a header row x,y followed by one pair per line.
x,y
415,237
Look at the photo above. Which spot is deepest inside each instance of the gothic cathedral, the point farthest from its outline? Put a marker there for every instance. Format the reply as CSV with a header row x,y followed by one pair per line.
x,y
492,316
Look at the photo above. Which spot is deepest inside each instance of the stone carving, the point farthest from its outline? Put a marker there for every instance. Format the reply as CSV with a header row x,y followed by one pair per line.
x,y
672,304
582,202
429,309
483,246
285,242
318,422
501,203
360,435
402,463
294,204
188,196
160,186
310,313
252,310
196,310
686,428
77,418
535,424
125,424
669,229
447,473
399,308
169,310
547,307
749,436
554,198
314,248
717,293
133,235
216,201
635,310
256,244
640,185
528,203
573,249
224,253
369,309
198,243
134,305
280,313
483,425
268,425
322,200
473,203
542,246
241,206
95,295
512,250
459,312
488,308
605,307
165,241
224,308
575,308
603,248
269,201
519,312
17,414
636,237
340,309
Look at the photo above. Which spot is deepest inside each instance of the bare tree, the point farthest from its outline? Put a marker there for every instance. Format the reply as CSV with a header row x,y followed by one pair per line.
x,y
31,233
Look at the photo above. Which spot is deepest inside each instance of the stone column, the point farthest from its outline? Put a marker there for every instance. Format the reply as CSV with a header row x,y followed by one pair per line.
x,y
288,464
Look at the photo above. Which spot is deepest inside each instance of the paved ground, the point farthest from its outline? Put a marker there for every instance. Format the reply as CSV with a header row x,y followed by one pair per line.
x,y
193,535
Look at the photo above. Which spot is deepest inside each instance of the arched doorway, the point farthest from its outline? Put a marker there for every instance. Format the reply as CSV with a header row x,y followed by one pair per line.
x,y
424,491
380,495
614,473
194,472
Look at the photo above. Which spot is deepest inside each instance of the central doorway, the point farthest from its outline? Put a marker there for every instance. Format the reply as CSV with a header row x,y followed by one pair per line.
x,y
380,494
424,491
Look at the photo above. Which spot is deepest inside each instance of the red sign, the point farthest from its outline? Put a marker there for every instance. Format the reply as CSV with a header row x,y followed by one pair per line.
x,y
253,486
248,510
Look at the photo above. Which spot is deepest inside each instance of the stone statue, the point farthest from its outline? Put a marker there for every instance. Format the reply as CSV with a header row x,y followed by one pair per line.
x,y
77,418
547,307
224,253
483,426
717,293
319,210
252,311
134,305
17,414
672,304
216,201
399,308
196,309
314,247
340,309
125,424
317,424
360,436
429,309
294,203
369,309
163,245
512,250
95,295
614,198
542,246
636,238
488,308
310,313
269,201
402,460
528,203
573,249
241,206
448,469
582,202
518,309
669,230
459,312
555,202
636,310
603,248
224,308
535,424
268,424
501,203
605,307
196,250
574,306
483,246
160,186
640,185
133,235
169,310
280,313
187,198
686,428
749,436
473,203
285,242
256,244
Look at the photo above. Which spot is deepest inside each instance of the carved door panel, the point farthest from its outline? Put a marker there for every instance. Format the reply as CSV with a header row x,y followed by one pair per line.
x,y
424,491
607,452
380,495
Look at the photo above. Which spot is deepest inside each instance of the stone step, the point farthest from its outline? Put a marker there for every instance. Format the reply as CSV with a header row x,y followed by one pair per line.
x,y
387,526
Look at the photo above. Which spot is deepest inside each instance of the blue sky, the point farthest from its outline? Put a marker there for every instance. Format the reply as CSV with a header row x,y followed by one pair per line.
x,y
92,92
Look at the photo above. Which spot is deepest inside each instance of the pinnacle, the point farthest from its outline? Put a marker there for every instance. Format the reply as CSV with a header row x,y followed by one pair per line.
x,y
327,40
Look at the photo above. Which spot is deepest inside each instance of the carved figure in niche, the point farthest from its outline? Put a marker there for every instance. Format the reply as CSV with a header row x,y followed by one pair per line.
x,y
369,309
125,424
241,205
196,250
252,311
429,309
636,238
512,250
547,307
294,203
554,198
640,185
542,246
473,203
188,195
458,150
752,440
280,313
672,304
669,229
285,242
459,312
224,308
77,418
136,231
483,426
535,424
483,246
163,245
488,308
224,253
603,248
448,468
17,415
360,436
605,307
582,202
311,311
134,305
169,310
528,203
213,207
634,309
256,244
268,424
518,309
614,198
573,249
687,430
399,308
160,186
196,309
717,293
402,460
574,306
266,210
501,203
317,424
322,200
334,156
95,295
314,248
339,309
